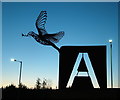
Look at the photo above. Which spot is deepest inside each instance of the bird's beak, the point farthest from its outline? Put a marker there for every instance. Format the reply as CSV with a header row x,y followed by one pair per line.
x,y
24,35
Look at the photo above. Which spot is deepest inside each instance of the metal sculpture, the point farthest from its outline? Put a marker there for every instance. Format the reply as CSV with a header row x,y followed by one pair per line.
x,y
43,37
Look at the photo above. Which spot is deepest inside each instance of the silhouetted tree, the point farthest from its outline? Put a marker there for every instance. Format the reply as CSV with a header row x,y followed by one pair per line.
x,y
22,86
38,83
11,86
44,84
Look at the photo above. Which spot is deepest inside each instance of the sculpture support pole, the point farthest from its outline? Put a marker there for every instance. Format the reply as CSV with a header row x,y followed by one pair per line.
x,y
53,45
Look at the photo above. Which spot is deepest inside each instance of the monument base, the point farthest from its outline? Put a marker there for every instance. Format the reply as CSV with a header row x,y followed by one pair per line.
x,y
82,82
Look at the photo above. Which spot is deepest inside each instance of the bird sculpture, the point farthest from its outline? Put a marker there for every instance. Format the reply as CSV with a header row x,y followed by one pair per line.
x,y
43,37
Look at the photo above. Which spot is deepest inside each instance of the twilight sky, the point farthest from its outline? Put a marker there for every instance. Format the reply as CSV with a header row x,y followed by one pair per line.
x,y
83,24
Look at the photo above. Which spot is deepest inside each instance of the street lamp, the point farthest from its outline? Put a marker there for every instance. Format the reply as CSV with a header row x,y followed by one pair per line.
x,y
110,41
20,69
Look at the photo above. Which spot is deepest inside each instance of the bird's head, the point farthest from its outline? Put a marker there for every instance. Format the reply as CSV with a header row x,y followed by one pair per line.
x,y
31,33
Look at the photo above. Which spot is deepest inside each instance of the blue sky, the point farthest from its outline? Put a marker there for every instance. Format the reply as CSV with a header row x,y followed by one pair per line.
x,y
83,23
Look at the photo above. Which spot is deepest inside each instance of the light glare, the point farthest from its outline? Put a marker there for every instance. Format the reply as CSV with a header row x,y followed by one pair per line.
x,y
110,41
12,59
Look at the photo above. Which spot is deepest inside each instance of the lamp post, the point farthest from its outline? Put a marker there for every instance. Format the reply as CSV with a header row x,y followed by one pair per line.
x,y
20,69
110,41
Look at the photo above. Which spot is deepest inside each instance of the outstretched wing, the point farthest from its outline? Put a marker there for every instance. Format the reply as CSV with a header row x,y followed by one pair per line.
x,y
54,38
40,22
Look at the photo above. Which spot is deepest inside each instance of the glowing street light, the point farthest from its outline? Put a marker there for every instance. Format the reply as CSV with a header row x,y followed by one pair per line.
x,y
20,69
110,41
12,59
